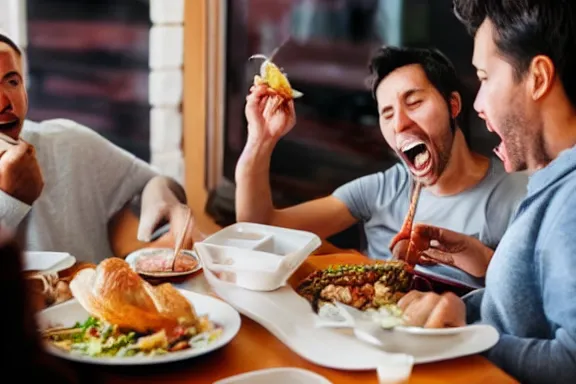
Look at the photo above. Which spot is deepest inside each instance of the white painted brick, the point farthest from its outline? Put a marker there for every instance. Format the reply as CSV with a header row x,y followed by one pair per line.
x,y
167,11
165,88
166,46
13,21
165,130
170,164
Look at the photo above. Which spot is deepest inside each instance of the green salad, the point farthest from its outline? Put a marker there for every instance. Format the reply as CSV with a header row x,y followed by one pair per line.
x,y
96,338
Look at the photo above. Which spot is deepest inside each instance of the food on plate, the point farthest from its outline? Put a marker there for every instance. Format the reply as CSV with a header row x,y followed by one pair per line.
x,y
273,77
362,286
47,289
128,316
161,261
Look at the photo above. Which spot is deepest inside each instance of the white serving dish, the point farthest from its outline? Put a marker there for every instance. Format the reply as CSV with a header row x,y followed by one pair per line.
x,y
290,318
47,262
276,376
254,256
69,313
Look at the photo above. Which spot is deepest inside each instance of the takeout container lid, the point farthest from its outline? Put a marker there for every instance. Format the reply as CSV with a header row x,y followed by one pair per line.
x,y
256,256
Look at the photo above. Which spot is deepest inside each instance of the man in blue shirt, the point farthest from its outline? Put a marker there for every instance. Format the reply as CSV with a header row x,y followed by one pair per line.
x,y
525,57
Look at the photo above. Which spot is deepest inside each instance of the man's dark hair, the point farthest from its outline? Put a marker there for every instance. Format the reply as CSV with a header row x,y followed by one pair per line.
x,y
524,29
438,69
6,40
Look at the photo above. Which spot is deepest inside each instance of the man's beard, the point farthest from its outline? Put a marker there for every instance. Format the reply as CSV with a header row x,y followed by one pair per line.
x,y
443,147
523,140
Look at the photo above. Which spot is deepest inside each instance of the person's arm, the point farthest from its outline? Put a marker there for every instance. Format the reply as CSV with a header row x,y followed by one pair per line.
x,y
163,201
502,207
269,119
325,216
549,360
21,183
12,211
473,301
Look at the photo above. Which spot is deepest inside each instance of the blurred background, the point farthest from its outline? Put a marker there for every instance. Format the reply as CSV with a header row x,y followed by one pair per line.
x,y
119,67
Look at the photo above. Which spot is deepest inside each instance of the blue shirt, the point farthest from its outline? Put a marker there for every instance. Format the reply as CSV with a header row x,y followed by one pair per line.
x,y
381,201
530,293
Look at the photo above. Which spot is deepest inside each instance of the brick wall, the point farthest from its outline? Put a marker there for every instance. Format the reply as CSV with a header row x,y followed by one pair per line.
x,y
166,86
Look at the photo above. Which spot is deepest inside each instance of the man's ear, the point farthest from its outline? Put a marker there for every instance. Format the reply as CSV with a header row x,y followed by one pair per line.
x,y
541,76
455,104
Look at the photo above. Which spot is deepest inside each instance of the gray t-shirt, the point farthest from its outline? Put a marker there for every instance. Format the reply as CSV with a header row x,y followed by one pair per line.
x,y
87,180
381,201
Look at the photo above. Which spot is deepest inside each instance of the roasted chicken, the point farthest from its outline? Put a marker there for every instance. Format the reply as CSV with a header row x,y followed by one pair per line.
x,y
116,294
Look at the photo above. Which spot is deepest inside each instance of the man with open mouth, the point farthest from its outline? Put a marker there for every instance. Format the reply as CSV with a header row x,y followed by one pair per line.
x,y
61,184
525,57
419,102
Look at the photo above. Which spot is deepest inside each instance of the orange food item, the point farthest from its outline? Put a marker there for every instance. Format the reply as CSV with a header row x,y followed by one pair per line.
x,y
274,78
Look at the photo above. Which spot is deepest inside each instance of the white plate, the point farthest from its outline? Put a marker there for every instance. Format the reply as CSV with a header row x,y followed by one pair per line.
x,y
70,312
276,376
433,346
290,318
133,257
48,262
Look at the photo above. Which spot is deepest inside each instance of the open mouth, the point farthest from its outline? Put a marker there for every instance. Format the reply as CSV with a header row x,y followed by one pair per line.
x,y
9,128
418,158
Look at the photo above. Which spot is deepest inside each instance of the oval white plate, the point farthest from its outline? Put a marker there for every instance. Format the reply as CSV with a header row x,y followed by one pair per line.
x,y
276,376
131,260
290,318
432,331
70,312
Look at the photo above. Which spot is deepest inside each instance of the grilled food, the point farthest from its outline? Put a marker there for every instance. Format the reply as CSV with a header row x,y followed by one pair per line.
x,y
361,286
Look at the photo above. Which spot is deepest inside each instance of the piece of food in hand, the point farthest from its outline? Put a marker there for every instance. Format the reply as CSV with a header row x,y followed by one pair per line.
x,y
47,289
161,261
274,78
411,254
129,317
362,286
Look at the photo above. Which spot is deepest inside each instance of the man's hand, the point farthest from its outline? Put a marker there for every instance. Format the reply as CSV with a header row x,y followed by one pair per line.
x,y
269,116
174,214
163,200
20,174
431,310
439,245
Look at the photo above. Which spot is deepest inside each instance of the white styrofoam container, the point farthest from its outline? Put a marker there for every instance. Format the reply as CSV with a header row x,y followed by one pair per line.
x,y
255,256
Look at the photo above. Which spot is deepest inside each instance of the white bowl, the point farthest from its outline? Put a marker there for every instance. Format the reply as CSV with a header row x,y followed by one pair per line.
x,y
254,256
276,376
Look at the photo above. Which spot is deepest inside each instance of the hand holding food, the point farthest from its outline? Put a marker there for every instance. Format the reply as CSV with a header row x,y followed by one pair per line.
x,y
452,248
274,78
20,173
270,106
408,252
267,122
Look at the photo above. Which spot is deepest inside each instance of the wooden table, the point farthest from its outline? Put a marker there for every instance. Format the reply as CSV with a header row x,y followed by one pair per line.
x,y
255,348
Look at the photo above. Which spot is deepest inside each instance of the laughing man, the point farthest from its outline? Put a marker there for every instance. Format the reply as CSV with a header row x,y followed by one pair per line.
x,y
419,102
